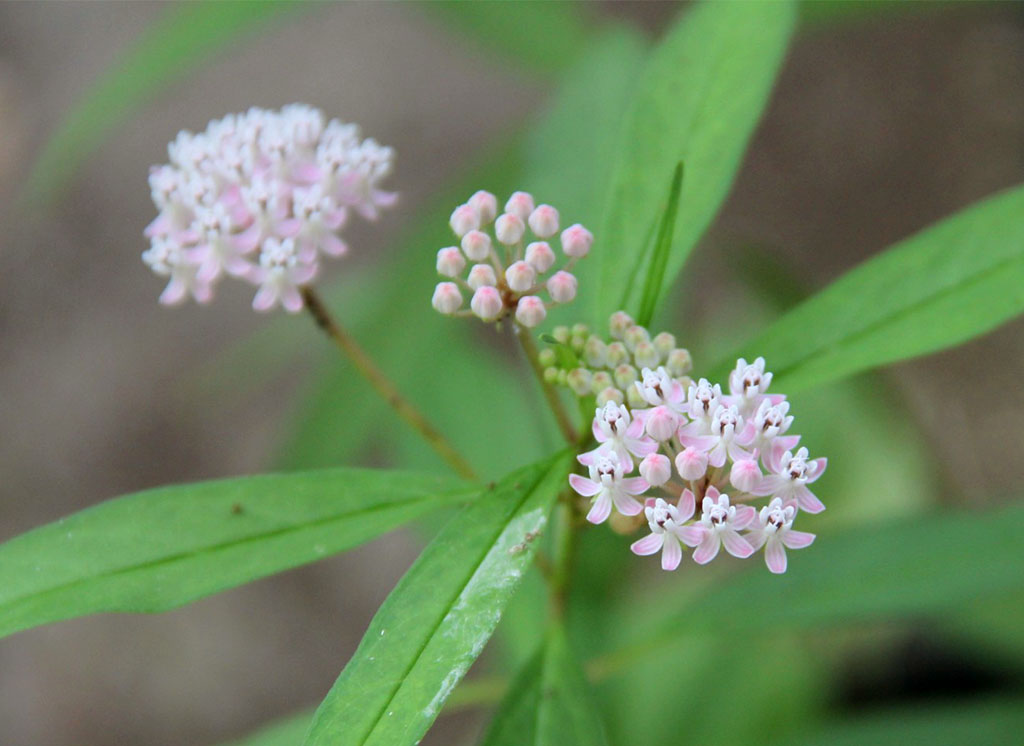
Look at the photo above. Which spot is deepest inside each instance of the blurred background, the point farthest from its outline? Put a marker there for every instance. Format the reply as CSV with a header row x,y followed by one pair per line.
x,y
884,119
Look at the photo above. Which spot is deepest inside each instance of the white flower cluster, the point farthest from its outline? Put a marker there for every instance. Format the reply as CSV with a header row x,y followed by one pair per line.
x,y
507,273
260,196
694,443
589,365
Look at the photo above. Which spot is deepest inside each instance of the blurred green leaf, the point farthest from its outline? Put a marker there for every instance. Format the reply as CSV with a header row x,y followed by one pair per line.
x,y
436,621
697,101
892,569
955,723
182,40
162,548
952,281
536,34
549,703
660,252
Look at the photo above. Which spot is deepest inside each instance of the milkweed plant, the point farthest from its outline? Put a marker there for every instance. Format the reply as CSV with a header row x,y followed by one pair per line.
x,y
676,464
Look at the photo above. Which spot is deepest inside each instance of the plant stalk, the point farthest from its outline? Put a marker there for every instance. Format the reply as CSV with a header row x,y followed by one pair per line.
x,y
554,401
383,385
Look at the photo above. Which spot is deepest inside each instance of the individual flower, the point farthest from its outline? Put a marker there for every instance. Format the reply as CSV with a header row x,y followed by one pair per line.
x,y
724,434
260,196
790,477
515,267
720,523
774,531
618,434
668,530
609,486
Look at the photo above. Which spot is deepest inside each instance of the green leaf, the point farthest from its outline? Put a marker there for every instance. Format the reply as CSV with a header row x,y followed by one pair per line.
x,y
895,569
697,101
542,36
288,731
996,721
952,281
162,548
549,703
660,253
186,35
436,621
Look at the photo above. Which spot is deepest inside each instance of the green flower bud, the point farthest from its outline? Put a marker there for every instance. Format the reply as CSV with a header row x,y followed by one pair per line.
x,y
579,381
547,357
625,375
679,362
600,380
635,399
646,356
595,352
551,375
580,330
664,343
616,354
619,323
634,336
609,394
561,333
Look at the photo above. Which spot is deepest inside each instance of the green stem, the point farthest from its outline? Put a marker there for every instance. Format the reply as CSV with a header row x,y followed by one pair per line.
x,y
554,401
564,541
383,385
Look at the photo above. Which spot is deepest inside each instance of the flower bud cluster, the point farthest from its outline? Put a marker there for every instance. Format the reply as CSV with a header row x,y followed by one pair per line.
x,y
609,369
260,196
694,444
500,268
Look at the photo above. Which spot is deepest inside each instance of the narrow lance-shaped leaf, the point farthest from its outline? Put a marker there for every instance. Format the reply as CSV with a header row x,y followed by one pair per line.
x,y
952,281
659,255
183,39
159,549
698,101
436,621
549,703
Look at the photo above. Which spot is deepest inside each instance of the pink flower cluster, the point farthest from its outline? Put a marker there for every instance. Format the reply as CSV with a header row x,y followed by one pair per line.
x,y
696,443
260,196
507,271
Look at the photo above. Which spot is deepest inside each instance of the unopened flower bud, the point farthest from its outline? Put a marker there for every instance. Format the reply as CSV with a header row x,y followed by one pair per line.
x,y
477,245
540,256
619,322
486,205
520,276
577,343
464,219
447,298
530,311
616,354
579,381
520,204
486,303
656,469
562,287
608,394
691,463
635,335
576,241
480,275
551,375
544,221
600,381
563,377
561,333
661,423
635,399
547,357
744,475
625,376
594,352
645,355
664,343
509,229
450,262
679,362
581,330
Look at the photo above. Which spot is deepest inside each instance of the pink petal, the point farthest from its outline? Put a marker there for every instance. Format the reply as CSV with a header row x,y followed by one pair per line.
x,y
713,493
736,453
756,538
701,443
599,435
672,553
691,536
808,501
746,436
291,300
821,464
735,544
648,545
635,485
248,239
687,505
287,227
626,504
769,485
266,298
635,429
174,293
332,245
745,515
601,510
708,548
797,539
716,457
775,557
582,485
641,446
304,273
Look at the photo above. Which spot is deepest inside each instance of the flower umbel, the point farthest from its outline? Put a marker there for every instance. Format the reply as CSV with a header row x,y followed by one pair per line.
x,y
729,450
508,273
261,196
